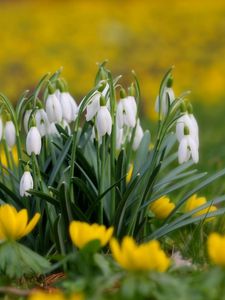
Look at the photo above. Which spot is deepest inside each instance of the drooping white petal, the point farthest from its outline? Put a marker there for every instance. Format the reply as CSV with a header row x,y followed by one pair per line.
x,y
93,106
130,111
26,119
33,141
42,121
10,134
193,149
69,107
138,136
103,121
53,109
26,184
52,130
183,152
119,115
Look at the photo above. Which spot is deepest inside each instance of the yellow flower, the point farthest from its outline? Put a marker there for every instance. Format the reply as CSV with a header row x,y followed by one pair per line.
x,y
82,233
14,154
148,256
129,174
47,296
216,246
14,225
55,296
194,201
162,207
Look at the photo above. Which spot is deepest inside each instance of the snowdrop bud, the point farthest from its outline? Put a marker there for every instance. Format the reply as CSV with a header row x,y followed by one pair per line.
x,y
168,94
138,136
53,108
1,128
93,106
42,121
26,184
33,141
10,134
26,119
103,121
69,107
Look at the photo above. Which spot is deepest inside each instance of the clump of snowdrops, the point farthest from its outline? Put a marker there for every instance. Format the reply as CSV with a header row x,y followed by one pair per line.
x,y
76,164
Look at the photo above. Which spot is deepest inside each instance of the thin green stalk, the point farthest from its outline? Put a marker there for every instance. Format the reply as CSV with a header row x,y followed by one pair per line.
x,y
102,178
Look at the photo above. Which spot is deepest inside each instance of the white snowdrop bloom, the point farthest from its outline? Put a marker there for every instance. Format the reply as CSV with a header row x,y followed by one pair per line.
x,y
187,149
10,134
66,126
42,121
33,141
137,136
69,107
93,106
26,184
1,128
103,121
126,112
189,121
53,108
168,93
119,137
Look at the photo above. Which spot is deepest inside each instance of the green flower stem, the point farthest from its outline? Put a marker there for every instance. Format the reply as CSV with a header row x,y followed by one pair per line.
x,y
112,146
102,178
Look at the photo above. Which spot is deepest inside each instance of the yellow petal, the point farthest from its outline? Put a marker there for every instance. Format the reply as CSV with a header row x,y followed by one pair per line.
x,y
21,220
31,224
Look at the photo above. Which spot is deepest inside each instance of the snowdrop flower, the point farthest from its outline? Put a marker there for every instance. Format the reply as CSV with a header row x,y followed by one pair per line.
x,y
26,184
189,121
53,108
126,112
26,119
103,121
69,107
93,106
188,148
33,141
1,128
42,121
137,136
10,134
168,94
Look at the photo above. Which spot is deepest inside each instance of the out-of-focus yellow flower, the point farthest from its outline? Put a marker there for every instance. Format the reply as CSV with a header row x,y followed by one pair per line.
x,y
55,296
194,201
162,207
14,154
46,296
14,225
216,246
130,172
148,256
82,233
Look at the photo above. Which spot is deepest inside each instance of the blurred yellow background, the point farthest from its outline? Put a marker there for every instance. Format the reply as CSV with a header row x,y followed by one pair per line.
x,y
147,36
